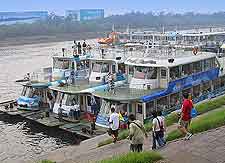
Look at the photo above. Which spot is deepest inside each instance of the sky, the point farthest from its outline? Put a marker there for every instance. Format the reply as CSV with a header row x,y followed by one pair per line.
x,y
115,6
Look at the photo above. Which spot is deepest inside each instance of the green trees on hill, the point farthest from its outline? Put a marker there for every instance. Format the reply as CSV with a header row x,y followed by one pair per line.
x,y
59,25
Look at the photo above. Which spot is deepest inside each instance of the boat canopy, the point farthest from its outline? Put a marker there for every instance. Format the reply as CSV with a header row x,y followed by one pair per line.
x,y
180,84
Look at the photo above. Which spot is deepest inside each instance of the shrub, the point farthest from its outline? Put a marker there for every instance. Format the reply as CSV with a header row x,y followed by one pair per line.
x,y
143,157
47,161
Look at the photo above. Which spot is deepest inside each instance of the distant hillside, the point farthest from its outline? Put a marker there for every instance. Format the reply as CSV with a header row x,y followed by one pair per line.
x,y
54,25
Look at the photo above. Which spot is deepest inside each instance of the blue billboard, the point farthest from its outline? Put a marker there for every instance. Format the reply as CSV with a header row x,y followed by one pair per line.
x,y
90,14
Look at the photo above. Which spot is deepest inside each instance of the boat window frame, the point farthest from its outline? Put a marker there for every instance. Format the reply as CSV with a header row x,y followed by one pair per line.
x,y
145,70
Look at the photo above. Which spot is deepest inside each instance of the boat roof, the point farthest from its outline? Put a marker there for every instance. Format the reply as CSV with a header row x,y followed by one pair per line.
x,y
124,93
81,57
180,58
106,60
74,89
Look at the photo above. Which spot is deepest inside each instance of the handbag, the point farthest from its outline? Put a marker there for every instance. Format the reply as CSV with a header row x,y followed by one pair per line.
x,y
194,113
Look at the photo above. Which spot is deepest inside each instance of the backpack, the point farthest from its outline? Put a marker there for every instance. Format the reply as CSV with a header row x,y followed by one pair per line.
x,y
160,125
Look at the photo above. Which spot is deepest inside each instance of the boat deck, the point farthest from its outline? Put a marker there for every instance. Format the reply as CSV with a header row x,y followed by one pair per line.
x,y
124,94
75,89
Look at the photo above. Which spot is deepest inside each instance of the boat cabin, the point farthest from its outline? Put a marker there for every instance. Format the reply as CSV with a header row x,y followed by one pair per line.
x,y
101,68
33,96
157,83
65,67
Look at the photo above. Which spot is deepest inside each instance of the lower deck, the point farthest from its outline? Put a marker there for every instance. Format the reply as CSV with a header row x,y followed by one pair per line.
x,y
171,102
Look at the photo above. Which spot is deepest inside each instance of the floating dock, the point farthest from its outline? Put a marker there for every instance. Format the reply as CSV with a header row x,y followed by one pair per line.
x,y
80,127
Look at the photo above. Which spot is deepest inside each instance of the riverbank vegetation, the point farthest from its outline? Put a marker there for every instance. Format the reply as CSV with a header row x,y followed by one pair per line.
x,y
56,25
143,157
172,118
211,120
47,161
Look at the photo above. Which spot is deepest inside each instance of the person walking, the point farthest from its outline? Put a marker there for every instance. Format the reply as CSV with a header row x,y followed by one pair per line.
x,y
157,131
60,110
84,47
162,126
185,119
79,48
137,134
114,124
50,101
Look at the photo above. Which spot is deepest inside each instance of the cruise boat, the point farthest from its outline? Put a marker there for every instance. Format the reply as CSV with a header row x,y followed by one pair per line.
x,y
157,80
110,63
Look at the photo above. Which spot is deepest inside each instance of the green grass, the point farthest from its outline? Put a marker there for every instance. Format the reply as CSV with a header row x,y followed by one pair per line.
x,y
173,118
143,157
47,161
206,122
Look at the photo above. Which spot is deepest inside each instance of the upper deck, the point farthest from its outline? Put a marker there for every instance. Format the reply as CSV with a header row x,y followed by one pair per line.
x,y
160,58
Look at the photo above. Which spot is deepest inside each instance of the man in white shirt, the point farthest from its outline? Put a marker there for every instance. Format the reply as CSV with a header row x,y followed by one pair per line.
x,y
158,130
114,124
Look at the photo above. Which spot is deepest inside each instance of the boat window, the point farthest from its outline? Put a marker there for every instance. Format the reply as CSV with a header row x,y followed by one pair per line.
x,y
197,67
24,91
151,73
113,69
145,73
196,91
59,97
149,109
61,63
212,62
206,87
121,68
163,73
174,100
175,73
105,68
139,74
186,70
29,92
131,70
97,67
64,98
162,103
139,109
72,100
208,64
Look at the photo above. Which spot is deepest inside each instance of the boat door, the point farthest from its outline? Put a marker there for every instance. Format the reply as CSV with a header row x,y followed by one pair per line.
x,y
139,112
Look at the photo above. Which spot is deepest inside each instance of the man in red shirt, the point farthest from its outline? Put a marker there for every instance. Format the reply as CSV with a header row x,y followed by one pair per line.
x,y
185,119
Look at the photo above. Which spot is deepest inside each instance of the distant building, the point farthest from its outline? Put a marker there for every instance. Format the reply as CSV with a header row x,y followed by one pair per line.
x,y
73,14
85,14
21,16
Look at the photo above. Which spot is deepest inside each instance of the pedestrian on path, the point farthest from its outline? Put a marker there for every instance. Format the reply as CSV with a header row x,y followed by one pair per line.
x,y
162,126
158,130
137,134
185,119
114,124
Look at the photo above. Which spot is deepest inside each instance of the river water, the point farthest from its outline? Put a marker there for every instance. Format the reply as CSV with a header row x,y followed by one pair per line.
x,y
19,139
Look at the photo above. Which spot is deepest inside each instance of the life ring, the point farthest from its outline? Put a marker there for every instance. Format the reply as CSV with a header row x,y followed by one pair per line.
x,y
195,51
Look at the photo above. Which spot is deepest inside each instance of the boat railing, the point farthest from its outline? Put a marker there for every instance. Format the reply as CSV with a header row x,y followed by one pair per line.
x,y
41,76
